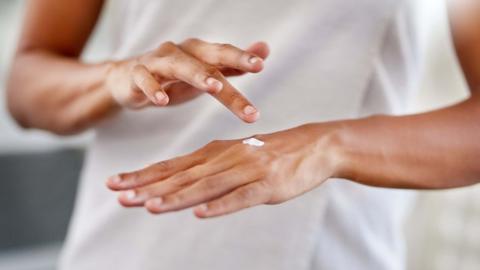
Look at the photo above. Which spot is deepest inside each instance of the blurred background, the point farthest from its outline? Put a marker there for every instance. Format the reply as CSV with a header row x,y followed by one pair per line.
x,y
39,172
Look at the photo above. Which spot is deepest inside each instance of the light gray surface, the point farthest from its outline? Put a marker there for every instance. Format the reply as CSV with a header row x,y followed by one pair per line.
x,y
42,257
37,195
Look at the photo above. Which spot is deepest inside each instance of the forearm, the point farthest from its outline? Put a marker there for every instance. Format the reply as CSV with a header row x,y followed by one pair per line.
x,y
439,149
57,93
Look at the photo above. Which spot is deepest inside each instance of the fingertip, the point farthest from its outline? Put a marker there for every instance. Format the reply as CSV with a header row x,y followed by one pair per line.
x,y
123,201
113,182
250,114
161,99
260,48
199,215
250,119
201,211
265,48
154,205
132,198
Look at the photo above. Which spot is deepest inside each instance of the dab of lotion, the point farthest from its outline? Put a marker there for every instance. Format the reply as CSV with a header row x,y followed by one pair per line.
x,y
253,142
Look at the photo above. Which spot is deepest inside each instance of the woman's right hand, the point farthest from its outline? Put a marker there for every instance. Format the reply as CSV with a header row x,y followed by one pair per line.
x,y
174,73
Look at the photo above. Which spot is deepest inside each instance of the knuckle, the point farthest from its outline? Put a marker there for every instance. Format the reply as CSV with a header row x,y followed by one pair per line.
x,y
171,60
218,205
165,64
211,183
140,80
241,149
132,176
235,96
259,136
181,179
267,190
266,186
222,47
167,46
212,71
247,193
145,193
136,177
123,176
165,49
137,70
208,148
147,61
215,143
261,169
191,41
265,159
276,193
174,199
163,165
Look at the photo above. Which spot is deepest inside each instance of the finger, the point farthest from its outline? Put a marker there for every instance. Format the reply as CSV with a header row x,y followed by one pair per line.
x,y
182,66
164,169
259,48
174,64
206,189
153,173
172,184
237,103
223,55
146,82
244,197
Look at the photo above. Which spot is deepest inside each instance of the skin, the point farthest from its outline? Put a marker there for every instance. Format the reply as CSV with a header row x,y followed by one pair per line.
x,y
70,96
433,150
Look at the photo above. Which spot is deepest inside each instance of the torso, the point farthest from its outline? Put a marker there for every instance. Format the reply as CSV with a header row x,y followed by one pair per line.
x,y
331,59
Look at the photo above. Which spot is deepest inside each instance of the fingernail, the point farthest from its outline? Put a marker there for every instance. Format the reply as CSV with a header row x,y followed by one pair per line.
x,y
249,110
130,195
160,97
254,59
115,179
215,84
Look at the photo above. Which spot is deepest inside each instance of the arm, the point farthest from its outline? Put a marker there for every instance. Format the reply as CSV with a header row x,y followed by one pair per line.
x,y
50,88
439,149
434,150
53,36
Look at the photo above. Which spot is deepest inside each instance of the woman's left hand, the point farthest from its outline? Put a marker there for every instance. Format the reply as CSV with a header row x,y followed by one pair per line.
x,y
226,176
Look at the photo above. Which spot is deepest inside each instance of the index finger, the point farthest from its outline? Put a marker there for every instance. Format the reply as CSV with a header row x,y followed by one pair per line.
x,y
231,98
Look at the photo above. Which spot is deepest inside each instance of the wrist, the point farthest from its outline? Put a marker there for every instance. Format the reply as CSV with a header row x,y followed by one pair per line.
x,y
110,76
351,147
332,145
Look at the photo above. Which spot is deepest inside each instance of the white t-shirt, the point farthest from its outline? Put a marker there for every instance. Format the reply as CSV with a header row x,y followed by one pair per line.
x,y
330,59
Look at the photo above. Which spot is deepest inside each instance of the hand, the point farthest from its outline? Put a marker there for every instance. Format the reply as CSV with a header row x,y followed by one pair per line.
x,y
227,176
175,73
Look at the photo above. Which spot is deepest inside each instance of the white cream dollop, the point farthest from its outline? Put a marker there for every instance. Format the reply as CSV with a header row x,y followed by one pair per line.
x,y
253,142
